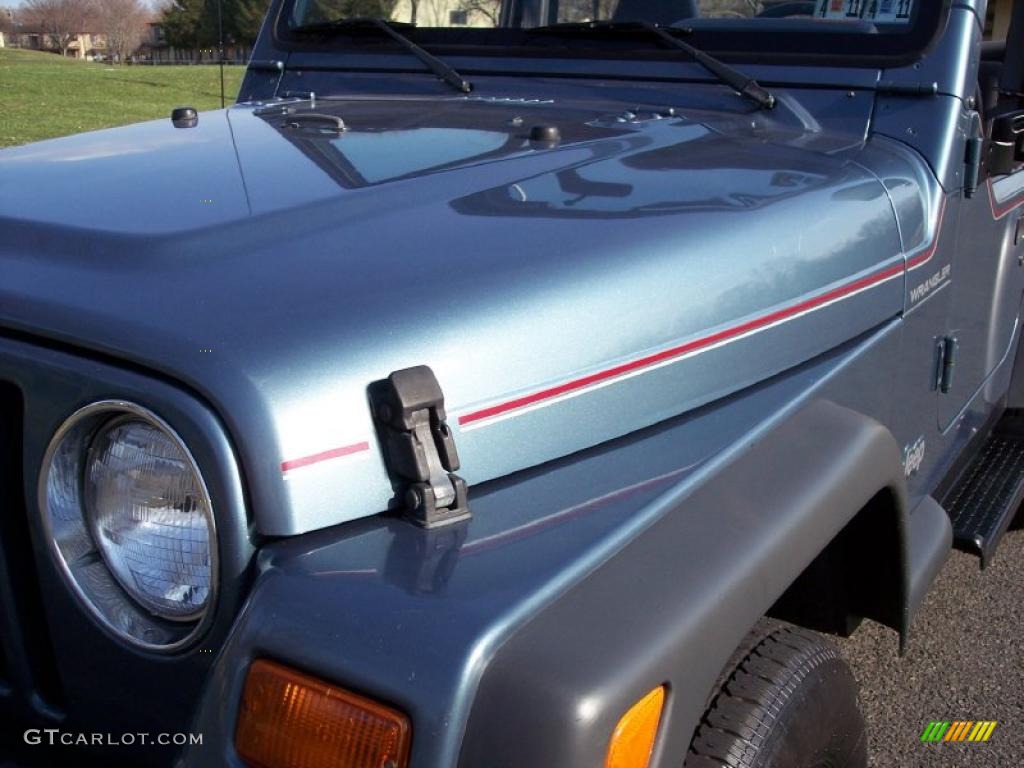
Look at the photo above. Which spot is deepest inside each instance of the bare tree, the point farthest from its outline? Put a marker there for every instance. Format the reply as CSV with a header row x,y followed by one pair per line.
x,y
59,21
123,22
488,9
432,13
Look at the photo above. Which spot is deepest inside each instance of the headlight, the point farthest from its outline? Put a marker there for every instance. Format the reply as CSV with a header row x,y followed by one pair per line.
x,y
131,523
149,516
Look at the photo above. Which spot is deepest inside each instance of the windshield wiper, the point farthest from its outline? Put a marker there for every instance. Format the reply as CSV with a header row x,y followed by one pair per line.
x,y
438,67
743,85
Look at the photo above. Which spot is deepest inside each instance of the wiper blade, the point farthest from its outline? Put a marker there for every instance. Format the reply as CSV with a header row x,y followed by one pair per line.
x,y
438,67
743,85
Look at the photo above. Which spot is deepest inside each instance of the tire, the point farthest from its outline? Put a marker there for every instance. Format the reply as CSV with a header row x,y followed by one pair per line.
x,y
787,699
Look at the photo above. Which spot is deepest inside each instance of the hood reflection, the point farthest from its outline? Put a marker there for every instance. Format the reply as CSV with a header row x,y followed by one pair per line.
x,y
389,140
630,167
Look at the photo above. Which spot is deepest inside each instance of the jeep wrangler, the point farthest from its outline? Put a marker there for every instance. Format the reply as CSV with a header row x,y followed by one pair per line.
x,y
510,384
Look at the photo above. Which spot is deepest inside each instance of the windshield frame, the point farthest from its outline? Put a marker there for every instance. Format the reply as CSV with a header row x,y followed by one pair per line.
x,y
791,47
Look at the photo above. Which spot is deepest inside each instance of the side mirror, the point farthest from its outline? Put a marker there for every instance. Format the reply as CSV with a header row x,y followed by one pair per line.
x,y
1006,150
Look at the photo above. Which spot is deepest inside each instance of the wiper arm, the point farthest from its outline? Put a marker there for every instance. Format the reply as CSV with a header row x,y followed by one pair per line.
x,y
438,67
743,85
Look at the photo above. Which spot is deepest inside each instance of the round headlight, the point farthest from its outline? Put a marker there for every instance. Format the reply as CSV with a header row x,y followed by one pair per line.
x,y
149,517
131,523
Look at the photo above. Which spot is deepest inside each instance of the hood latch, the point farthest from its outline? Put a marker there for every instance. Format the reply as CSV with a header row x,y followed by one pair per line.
x,y
408,408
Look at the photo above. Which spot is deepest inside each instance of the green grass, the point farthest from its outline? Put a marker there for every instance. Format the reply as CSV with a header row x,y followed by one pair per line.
x,y
43,96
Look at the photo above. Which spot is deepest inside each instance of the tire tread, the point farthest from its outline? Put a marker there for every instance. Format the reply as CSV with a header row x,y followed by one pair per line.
x,y
755,686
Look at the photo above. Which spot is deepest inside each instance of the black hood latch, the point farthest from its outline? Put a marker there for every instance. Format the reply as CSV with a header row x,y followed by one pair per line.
x,y
408,408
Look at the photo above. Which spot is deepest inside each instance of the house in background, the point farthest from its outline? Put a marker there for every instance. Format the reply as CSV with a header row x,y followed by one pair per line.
x,y
16,32
88,45
85,45
7,27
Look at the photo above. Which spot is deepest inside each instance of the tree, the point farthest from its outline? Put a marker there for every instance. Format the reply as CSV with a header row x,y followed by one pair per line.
x,y
59,21
182,20
193,23
124,24
489,9
242,19
325,10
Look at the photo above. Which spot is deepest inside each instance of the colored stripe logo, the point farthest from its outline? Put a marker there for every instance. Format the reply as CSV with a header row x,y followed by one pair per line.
x,y
959,730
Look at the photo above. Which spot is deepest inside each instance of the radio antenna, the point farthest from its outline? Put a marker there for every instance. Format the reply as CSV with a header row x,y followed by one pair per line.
x,y
220,47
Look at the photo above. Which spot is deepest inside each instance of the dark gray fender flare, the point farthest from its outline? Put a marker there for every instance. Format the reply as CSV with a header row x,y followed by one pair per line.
x,y
672,605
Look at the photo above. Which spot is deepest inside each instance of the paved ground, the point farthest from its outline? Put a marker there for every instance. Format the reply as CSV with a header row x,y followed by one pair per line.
x,y
965,662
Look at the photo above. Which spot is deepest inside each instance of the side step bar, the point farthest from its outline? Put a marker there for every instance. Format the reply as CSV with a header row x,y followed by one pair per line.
x,y
988,493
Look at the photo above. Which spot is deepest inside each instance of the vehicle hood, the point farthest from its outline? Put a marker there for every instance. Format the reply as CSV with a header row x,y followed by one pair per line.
x,y
566,291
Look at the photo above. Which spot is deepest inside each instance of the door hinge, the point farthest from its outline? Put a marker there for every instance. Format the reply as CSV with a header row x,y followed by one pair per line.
x,y
947,349
974,153
419,450
972,173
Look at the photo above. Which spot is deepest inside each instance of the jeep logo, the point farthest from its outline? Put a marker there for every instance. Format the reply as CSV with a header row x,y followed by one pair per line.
x,y
913,456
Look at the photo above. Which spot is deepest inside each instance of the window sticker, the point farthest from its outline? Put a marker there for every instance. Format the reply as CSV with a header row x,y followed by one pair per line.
x,y
879,11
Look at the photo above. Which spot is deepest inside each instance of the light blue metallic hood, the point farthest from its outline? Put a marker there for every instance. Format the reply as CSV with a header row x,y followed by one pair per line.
x,y
565,294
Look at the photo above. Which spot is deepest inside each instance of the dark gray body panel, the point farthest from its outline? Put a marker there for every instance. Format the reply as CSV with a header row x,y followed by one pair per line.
x,y
382,613
571,673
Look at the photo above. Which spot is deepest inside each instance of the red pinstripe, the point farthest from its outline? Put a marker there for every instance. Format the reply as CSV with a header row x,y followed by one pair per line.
x,y
680,350
706,341
316,458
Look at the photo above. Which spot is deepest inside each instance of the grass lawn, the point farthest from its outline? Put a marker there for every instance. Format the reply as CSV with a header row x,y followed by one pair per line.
x,y
42,96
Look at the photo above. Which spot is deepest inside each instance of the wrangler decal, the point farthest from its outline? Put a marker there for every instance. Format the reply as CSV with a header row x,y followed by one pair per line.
x,y
920,291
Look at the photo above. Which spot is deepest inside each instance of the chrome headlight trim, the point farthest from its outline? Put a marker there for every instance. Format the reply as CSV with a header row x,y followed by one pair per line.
x,y
71,543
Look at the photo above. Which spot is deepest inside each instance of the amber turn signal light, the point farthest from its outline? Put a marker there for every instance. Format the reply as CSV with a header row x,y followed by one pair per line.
x,y
633,739
292,720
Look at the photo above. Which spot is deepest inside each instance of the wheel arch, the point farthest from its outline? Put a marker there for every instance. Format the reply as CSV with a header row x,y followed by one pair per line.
x,y
842,585
673,604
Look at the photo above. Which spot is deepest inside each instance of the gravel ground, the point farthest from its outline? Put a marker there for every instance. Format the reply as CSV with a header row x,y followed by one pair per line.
x,y
965,662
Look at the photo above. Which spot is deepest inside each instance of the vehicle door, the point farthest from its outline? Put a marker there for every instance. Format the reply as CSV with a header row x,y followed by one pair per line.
x,y
988,266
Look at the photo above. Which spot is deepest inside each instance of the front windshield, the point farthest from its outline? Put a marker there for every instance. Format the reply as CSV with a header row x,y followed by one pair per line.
x,y
488,13
854,28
